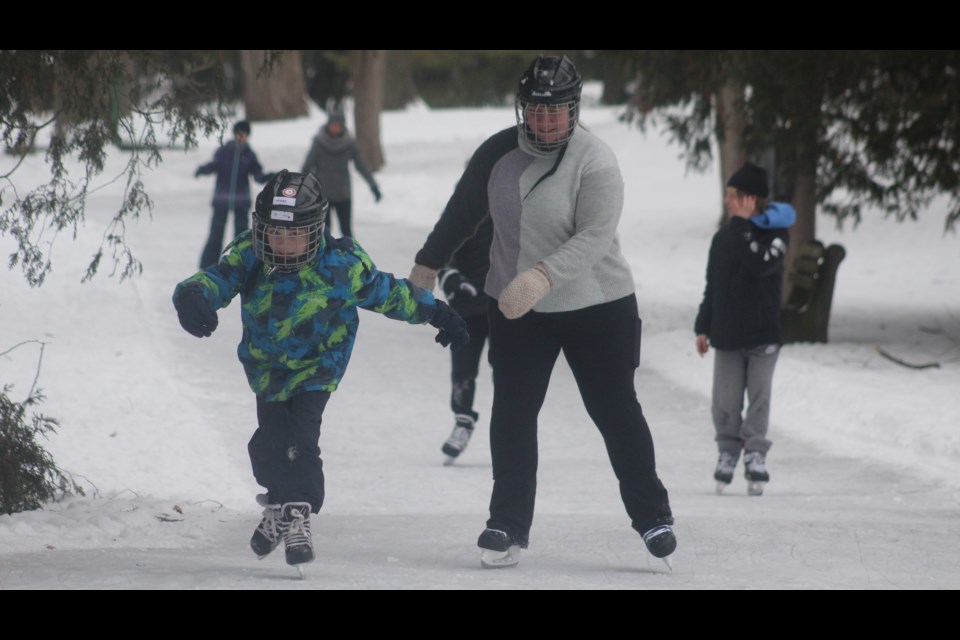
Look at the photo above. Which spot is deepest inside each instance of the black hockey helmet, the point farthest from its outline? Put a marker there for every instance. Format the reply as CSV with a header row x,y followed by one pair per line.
x,y
288,220
551,87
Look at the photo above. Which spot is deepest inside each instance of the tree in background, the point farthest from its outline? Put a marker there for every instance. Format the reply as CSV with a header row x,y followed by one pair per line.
x,y
368,70
845,129
93,99
274,85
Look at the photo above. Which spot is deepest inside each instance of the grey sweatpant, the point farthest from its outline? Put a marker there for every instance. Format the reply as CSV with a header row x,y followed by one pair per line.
x,y
736,372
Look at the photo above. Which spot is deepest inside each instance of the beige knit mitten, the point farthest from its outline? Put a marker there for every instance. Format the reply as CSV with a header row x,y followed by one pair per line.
x,y
524,291
423,277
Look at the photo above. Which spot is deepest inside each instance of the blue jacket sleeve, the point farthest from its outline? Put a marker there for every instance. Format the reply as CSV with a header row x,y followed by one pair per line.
x,y
221,282
396,298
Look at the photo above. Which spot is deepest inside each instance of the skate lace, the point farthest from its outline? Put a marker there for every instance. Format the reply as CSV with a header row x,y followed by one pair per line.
x,y
460,437
727,463
656,531
269,525
297,530
755,463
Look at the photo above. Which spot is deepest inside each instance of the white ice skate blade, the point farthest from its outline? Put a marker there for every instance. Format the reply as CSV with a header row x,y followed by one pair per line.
x,y
755,488
303,575
449,460
721,486
667,561
490,559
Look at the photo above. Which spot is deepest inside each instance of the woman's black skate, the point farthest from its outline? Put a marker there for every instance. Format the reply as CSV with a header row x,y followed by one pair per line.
x,y
661,542
498,549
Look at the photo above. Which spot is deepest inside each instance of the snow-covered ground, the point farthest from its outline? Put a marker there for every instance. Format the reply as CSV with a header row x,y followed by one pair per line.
x,y
866,461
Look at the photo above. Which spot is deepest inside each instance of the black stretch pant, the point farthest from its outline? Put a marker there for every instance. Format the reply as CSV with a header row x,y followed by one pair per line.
x,y
285,450
344,209
601,344
218,224
466,365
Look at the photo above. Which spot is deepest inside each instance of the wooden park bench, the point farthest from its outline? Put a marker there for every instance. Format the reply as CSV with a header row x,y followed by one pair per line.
x,y
805,315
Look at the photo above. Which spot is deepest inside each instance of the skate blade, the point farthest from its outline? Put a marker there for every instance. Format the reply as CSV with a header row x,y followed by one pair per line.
x,y
449,460
667,561
490,559
755,488
721,486
303,574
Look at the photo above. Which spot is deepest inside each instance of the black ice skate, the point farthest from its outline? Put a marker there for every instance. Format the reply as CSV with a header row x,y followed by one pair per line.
x,y
498,549
295,527
459,439
661,541
724,471
755,463
267,536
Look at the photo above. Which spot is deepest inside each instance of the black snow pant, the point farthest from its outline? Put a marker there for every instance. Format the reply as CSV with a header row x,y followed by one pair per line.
x,y
466,365
218,224
602,346
344,209
285,451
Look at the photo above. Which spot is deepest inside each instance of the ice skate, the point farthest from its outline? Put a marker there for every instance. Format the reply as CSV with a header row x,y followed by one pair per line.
x,y
724,471
497,549
266,538
295,527
755,463
459,439
661,542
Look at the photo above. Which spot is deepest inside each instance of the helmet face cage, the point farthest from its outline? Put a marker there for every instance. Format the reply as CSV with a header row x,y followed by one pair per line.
x,y
288,221
548,127
548,102
286,248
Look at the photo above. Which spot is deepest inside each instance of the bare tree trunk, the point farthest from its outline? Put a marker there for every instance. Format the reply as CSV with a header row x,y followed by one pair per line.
x,y
273,93
368,70
399,86
730,127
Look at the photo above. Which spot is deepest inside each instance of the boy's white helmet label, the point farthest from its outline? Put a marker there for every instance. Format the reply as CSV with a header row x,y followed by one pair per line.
x,y
285,202
286,216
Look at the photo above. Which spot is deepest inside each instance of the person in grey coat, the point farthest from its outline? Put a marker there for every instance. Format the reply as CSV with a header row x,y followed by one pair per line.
x,y
329,158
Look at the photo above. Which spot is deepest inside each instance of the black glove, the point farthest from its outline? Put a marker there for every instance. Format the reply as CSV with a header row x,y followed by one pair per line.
x,y
453,330
454,286
376,193
198,172
195,313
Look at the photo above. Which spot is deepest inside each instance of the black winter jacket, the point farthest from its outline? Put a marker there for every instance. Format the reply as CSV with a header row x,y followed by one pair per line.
x,y
741,302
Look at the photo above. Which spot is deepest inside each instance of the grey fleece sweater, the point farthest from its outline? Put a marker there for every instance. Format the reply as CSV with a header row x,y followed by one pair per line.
x,y
568,221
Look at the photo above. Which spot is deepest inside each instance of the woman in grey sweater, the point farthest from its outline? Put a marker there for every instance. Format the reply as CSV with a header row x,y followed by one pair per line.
x,y
555,194
329,159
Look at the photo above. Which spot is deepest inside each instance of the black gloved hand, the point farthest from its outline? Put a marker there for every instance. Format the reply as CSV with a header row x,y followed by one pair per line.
x,y
376,193
198,172
453,329
454,285
195,313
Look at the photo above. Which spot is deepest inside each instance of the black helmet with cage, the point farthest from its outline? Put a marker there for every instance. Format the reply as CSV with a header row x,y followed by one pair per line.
x,y
288,221
548,102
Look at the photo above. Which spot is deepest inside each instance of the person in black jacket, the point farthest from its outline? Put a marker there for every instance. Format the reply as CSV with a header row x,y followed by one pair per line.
x,y
740,318
233,163
462,281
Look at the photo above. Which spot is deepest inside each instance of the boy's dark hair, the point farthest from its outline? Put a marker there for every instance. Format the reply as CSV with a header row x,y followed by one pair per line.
x,y
241,127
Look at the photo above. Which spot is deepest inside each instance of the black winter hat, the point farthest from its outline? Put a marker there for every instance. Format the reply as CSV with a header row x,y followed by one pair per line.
x,y
751,180
242,127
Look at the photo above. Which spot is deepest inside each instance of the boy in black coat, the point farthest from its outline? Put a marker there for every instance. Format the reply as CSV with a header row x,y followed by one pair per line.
x,y
740,318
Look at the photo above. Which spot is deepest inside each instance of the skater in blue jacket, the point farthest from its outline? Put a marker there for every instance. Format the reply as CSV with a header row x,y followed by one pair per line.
x,y
299,290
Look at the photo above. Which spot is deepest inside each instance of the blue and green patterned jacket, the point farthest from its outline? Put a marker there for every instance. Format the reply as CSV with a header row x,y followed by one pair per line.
x,y
299,328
